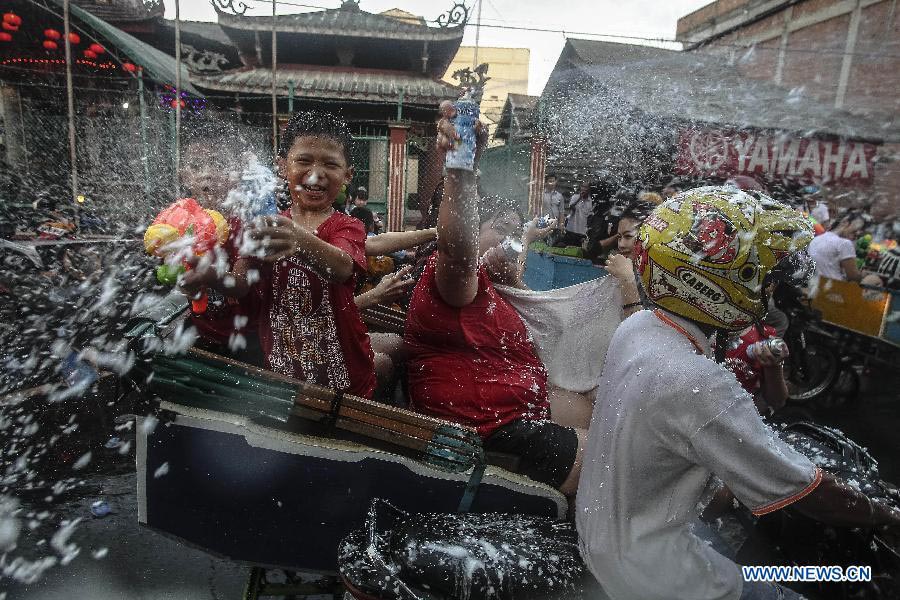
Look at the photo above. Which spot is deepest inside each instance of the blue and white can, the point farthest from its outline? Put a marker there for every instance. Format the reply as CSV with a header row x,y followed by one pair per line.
x,y
462,154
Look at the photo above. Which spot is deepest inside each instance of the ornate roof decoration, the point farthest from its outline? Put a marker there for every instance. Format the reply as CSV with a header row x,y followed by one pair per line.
x,y
203,61
347,21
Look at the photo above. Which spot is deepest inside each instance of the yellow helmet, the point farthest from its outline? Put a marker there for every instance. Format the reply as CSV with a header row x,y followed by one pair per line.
x,y
706,254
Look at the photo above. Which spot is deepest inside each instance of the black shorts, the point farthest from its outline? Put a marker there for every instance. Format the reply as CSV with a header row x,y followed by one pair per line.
x,y
546,451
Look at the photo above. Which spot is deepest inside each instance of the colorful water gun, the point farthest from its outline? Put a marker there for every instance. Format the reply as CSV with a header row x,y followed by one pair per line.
x,y
184,224
862,249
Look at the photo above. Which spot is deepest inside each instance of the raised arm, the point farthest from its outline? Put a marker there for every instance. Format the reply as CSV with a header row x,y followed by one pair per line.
x,y
393,241
456,271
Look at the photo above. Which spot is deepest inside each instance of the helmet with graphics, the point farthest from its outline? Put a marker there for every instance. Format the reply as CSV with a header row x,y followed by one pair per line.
x,y
708,254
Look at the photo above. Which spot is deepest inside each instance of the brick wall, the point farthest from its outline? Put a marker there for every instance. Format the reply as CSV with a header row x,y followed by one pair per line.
x,y
814,54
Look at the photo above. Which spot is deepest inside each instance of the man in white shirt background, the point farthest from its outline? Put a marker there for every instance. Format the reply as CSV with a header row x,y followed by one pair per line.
x,y
835,251
553,202
814,206
580,207
669,422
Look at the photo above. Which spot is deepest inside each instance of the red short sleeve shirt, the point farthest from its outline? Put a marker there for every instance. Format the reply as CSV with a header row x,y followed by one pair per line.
x,y
309,326
474,365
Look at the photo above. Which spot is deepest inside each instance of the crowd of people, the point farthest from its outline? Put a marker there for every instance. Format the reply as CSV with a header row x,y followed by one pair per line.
x,y
673,431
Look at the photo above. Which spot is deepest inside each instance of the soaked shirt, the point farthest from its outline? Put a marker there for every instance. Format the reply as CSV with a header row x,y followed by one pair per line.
x,y
309,325
473,365
667,418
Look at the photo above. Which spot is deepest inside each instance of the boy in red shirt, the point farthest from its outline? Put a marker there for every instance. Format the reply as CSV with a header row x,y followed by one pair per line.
x,y
302,265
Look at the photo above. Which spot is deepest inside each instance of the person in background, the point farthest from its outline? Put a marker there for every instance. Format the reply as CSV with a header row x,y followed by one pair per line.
x,y
361,198
621,265
834,251
552,202
759,371
578,210
813,205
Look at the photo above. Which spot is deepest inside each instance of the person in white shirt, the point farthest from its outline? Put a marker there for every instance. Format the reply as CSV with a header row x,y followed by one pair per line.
x,y
669,421
835,252
552,202
814,207
577,212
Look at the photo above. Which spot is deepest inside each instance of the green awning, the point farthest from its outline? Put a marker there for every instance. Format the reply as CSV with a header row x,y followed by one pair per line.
x,y
157,65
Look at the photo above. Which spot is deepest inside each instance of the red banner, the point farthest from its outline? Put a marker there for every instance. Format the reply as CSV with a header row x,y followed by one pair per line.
x,y
774,157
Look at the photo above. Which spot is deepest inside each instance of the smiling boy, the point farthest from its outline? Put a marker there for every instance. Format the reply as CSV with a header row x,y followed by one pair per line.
x,y
304,265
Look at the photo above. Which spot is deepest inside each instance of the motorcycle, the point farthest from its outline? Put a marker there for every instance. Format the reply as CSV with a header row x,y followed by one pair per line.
x,y
402,556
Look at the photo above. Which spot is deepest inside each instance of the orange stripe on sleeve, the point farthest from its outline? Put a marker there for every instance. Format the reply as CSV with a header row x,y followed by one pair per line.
x,y
779,504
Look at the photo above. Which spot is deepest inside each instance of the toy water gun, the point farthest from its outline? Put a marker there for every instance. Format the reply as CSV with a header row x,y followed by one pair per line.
x,y
184,224
862,249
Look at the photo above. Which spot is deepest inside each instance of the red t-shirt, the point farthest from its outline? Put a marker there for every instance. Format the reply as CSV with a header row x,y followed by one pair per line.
x,y
474,365
747,371
309,326
227,316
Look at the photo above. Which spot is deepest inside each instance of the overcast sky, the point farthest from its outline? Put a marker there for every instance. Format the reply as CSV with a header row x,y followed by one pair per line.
x,y
642,18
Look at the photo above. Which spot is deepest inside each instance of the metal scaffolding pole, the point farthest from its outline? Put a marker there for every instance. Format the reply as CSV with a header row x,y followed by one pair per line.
x,y
177,98
70,99
274,84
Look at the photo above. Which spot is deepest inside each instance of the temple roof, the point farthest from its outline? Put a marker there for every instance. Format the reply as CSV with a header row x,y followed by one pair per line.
x,y
121,11
517,117
333,83
347,21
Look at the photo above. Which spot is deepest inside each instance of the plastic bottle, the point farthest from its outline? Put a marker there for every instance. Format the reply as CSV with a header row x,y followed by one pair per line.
x,y
462,154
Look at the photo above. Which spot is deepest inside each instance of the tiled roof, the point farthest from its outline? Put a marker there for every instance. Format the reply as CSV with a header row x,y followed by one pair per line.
x,y
704,88
118,11
517,117
346,22
332,83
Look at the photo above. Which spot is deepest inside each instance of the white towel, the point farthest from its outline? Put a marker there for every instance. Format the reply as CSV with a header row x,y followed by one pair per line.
x,y
571,328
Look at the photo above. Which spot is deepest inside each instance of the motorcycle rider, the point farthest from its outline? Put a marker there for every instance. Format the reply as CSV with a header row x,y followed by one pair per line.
x,y
669,421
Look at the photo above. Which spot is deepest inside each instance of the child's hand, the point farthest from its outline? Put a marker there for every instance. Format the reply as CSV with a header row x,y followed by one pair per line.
x,y
278,237
534,233
393,286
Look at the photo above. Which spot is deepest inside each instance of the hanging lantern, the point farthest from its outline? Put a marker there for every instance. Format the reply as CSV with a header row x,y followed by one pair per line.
x,y
10,26
96,48
52,34
50,45
90,54
174,103
129,67
74,38
5,37
13,19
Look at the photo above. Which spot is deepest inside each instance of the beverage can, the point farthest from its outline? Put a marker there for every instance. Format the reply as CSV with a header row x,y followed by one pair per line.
x,y
462,154
775,345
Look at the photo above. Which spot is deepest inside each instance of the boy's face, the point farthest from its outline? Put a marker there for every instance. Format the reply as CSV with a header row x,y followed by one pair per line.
x,y
208,172
315,169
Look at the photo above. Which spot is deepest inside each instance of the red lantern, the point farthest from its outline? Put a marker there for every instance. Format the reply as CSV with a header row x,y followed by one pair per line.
x,y
10,26
129,67
52,34
5,37
96,48
175,103
12,19
74,38
50,45
90,54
